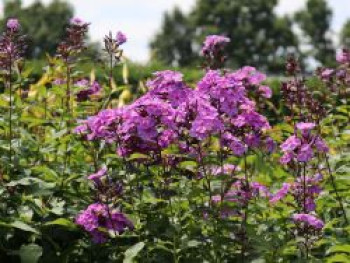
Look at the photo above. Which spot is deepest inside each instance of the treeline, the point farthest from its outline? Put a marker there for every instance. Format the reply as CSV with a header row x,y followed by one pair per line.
x,y
259,36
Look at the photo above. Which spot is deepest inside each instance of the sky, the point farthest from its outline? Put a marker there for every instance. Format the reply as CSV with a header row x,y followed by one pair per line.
x,y
141,19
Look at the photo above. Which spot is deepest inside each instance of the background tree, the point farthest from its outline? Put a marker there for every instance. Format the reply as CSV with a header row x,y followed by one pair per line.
x,y
345,35
315,21
258,36
173,44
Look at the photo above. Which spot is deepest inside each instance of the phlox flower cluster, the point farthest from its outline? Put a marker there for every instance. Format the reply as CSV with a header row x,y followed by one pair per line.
x,y
12,45
98,220
308,220
173,113
214,42
302,145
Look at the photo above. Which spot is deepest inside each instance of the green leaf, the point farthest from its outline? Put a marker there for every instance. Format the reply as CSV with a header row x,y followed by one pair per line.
x,y
30,253
132,252
339,249
62,222
23,226
338,258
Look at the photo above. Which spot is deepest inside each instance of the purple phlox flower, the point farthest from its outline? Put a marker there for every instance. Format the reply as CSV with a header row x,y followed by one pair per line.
x,y
281,193
252,140
59,81
223,92
226,169
81,129
270,144
260,189
290,144
121,38
244,72
286,157
169,86
235,144
249,75
305,153
76,21
252,119
82,83
308,220
12,24
98,219
326,73
343,56
213,43
265,91
321,145
96,177
305,126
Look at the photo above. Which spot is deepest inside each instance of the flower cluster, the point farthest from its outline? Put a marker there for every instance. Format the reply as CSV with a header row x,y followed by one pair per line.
x,y
213,43
343,57
213,50
73,43
112,44
171,112
13,25
308,220
87,89
12,45
98,219
304,191
302,145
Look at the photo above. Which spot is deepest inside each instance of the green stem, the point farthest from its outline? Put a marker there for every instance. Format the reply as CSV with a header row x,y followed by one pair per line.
x,y
10,120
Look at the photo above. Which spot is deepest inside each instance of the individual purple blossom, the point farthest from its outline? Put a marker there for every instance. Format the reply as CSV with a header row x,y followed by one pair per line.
x,y
270,144
265,91
252,140
168,85
58,81
327,73
291,144
121,38
96,177
321,145
249,75
343,56
226,169
76,21
281,193
13,24
305,153
308,220
235,144
286,157
305,126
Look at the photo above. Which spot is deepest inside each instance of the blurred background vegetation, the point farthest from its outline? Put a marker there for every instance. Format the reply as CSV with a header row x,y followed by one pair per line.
x,y
259,37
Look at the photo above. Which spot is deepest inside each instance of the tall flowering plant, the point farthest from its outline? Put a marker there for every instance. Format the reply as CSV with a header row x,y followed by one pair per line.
x,y
12,48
